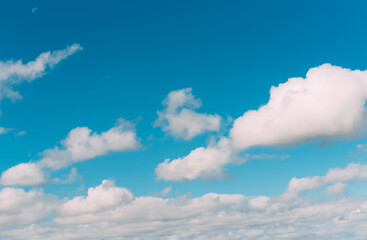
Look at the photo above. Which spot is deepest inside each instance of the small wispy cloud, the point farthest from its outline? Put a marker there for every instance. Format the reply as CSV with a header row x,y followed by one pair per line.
x,y
34,10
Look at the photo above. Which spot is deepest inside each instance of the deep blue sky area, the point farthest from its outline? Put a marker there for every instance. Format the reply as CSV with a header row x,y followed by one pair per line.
x,y
135,52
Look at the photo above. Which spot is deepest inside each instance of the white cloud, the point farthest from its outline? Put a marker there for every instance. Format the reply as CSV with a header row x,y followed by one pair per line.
x,y
329,103
80,145
204,163
103,197
112,212
110,203
179,118
335,176
18,207
15,72
259,203
23,174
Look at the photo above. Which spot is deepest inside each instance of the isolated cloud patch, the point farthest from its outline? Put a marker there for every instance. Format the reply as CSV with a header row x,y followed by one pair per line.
x,y
15,72
179,118
328,104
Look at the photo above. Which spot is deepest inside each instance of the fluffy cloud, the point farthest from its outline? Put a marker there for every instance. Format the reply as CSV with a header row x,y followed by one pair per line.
x,y
18,207
336,176
80,145
179,118
103,197
204,163
15,72
329,103
110,203
23,174
112,212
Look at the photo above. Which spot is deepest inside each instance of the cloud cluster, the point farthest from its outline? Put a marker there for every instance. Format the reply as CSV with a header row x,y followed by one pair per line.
x,y
179,119
80,145
328,104
112,212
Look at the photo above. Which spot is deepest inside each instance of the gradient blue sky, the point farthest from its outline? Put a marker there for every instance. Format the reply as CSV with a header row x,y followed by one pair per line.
x,y
135,52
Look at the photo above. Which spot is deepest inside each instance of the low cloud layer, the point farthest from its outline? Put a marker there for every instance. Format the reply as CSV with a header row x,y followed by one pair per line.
x,y
328,104
179,118
111,212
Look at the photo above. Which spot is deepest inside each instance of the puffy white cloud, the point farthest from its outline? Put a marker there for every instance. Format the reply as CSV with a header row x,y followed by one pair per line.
x,y
110,203
23,174
80,144
204,163
329,103
15,72
179,118
102,197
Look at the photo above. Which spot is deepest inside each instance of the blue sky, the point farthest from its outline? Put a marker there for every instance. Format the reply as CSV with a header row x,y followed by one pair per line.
x,y
184,76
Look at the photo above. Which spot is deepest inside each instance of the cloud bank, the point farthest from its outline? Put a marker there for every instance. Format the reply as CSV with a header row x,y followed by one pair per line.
x,y
111,212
